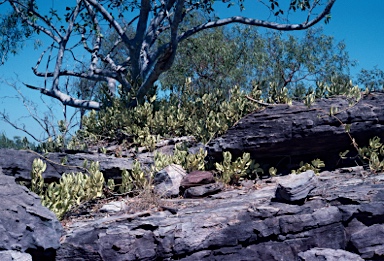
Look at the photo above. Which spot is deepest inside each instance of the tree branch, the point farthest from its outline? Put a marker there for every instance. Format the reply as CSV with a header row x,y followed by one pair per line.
x,y
257,22
66,99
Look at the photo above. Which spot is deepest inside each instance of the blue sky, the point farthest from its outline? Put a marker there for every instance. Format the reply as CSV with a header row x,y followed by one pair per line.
x,y
360,24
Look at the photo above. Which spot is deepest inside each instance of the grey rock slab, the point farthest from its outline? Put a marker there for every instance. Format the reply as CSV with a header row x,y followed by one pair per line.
x,y
25,225
296,187
328,254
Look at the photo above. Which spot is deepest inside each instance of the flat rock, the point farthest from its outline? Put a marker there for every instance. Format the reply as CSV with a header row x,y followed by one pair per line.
x,y
243,224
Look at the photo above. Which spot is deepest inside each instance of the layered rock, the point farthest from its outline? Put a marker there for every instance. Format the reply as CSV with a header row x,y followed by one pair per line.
x,y
340,213
284,135
18,163
25,225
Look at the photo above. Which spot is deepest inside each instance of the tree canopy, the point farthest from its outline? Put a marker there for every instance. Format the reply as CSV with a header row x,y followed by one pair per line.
x,y
78,48
241,55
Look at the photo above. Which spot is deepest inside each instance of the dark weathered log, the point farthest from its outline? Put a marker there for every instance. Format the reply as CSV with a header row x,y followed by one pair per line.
x,y
283,135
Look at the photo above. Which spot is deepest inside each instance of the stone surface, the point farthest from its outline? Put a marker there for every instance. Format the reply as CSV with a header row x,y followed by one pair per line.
x,y
25,225
328,254
282,135
197,178
167,181
203,190
11,255
18,163
369,241
295,187
242,224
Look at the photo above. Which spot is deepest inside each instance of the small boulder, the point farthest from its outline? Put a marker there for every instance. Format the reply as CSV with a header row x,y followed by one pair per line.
x,y
197,178
167,181
295,187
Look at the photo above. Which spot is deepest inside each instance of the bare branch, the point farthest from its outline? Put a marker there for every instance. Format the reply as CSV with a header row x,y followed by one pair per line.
x,y
257,22
66,99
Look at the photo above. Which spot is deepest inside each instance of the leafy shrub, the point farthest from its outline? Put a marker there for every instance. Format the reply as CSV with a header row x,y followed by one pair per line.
x,y
315,165
231,171
134,179
72,189
373,154
200,116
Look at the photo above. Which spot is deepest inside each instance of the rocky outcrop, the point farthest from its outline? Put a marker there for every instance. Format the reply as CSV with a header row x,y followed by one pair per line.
x,y
345,211
18,163
25,225
284,135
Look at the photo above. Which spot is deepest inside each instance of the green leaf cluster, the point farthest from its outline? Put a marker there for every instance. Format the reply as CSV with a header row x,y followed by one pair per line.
x,y
180,156
315,165
230,171
373,154
189,114
134,179
72,189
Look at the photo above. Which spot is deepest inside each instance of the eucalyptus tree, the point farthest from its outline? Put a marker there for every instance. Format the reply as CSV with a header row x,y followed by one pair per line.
x,y
372,79
76,31
222,58
290,60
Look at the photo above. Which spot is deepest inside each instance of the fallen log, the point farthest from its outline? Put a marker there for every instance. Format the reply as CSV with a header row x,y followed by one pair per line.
x,y
284,135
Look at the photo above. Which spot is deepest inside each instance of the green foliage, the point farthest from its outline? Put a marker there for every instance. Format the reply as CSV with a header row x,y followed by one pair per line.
x,y
181,156
17,143
372,79
111,184
272,171
278,95
315,165
72,189
223,58
134,179
373,154
37,182
231,171
190,114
